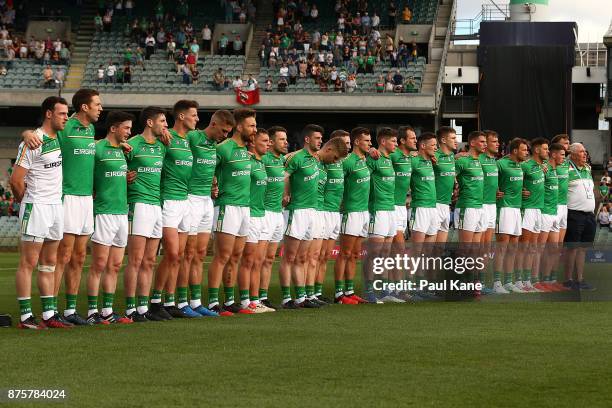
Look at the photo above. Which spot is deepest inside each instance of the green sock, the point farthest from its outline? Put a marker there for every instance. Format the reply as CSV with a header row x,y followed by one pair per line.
x,y
143,301
349,286
92,302
55,303
482,276
310,290
497,276
244,294
318,289
169,298
130,303
196,292
253,298
508,277
182,294
107,300
71,301
553,275
517,275
300,291
263,294
229,294
47,303
339,285
548,278
25,306
157,295
526,275
213,295
286,291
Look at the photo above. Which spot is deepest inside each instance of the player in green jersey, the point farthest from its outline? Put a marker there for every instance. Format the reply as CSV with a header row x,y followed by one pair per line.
x,y
232,212
274,161
203,147
491,192
383,225
424,217
549,234
531,208
255,247
402,163
111,220
355,216
176,220
330,211
444,169
470,218
508,229
78,151
144,214
36,182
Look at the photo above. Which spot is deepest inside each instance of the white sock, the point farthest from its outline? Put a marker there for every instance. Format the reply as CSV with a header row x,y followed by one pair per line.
x,y
231,302
68,312
285,301
213,304
301,299
107,311
195,303
166,304
91,311
182,305
25,317
142,309
48,314
155,300
339,294
129,311
245,303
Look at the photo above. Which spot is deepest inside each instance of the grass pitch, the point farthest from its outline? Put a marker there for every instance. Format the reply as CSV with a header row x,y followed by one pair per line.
x,y
493,354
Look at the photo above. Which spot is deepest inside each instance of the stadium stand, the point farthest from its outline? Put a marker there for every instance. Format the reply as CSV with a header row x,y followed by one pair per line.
x,y
9,231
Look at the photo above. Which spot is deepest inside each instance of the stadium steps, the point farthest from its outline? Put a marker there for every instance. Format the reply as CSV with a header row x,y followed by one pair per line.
x,y
82,46
265,14
432,69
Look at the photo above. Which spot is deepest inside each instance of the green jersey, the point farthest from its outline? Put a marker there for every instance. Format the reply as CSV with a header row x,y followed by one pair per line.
x,y
177,168
147,160
303,170
334,187
356,184
258,187
533,181
489,170
470,177
204,154
275,169
233,173
422,183
110,182
444,170
604,190
382,184
551,191
321,186
402,164
562,176
78,157
510,182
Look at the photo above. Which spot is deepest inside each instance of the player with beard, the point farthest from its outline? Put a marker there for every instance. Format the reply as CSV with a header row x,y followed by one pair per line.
x,y
563,180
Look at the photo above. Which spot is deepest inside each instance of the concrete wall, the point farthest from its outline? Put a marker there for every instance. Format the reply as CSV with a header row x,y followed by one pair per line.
x,y
231,31
597,142
54,29
469,75
413,32
462,55
598,75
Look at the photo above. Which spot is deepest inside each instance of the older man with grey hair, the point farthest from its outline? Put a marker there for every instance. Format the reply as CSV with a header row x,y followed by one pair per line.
x,y
581,224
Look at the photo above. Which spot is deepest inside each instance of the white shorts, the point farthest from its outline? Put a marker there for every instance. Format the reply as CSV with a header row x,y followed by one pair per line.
x,y
383,224
111,230
145,220
471,219
318,226
562,214
232,220
401,217
332,224
550,223
202,211
78,215
491,211
274,227
425,220
41,222
257,229
509,221
444,216
355,224
532,220
299,224
176,214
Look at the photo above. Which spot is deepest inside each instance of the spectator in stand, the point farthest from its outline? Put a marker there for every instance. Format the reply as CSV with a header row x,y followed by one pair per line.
x,y
57,45
190,61
161,39
149,46
351,84
3,70
282,85
314,13
128,6
186,75
406,15
206,38
223,42
366,23
180,61
47,75
237,83
64,56
293,73
380,84
171,48
375,21
219,81
269,84
237,46
127,73
251,83
195,75
263,58
284,71
111,71
140,58
107,21
392,14
604,217
410,85
272,59
98,23
195,49
100,73
398,82
59,77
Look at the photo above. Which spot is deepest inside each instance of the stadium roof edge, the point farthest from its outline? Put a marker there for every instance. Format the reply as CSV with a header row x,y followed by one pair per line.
x,y
418,103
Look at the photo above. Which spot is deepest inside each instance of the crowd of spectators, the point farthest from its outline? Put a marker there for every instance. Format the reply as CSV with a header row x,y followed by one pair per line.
x,y
44,52
8,205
